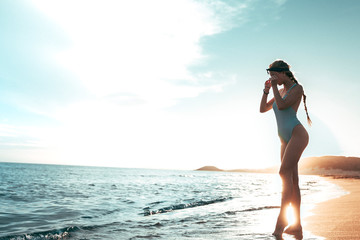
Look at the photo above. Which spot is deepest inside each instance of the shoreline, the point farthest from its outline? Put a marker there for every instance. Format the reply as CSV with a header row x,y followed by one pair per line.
x,y
337,218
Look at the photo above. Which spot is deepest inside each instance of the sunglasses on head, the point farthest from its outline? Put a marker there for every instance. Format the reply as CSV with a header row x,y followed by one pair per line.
x,y
275,69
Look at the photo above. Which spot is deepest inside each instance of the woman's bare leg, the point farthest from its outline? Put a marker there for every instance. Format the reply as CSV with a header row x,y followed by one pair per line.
x,y
281,222
289,175
296,228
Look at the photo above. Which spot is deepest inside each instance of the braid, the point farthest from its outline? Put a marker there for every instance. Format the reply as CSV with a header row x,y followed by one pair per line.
x,y
307,114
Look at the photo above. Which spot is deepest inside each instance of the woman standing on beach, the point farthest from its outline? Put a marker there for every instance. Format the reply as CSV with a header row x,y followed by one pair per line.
x,y
293,137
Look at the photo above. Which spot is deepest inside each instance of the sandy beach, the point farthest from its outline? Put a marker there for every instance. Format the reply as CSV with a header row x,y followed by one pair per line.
x,y
339,218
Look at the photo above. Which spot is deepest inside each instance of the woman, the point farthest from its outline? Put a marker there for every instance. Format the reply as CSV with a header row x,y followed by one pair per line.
x,y
293,137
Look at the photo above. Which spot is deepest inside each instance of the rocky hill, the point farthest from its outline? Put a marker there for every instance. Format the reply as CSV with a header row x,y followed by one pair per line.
x,y
330,165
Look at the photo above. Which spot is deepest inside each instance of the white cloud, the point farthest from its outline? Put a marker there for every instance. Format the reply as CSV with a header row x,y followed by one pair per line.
x,y
138,47
22,136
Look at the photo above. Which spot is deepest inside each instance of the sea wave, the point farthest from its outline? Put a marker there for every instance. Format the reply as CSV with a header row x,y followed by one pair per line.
x,y
251,209
148,211
55,234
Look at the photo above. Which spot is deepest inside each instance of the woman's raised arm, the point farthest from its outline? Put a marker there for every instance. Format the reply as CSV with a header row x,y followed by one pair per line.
x,y
264,104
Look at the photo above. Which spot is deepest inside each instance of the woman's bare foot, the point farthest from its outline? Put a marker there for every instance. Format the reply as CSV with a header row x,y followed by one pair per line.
x,y
280,226
294,229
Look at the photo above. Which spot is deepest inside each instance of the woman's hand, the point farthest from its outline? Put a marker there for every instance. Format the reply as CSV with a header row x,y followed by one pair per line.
x,y
268,84
274,81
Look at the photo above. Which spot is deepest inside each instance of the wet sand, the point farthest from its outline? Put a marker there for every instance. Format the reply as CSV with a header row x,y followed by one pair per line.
x,y
339,218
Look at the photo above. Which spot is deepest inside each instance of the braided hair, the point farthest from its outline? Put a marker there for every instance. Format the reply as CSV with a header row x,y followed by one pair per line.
x,y
282,64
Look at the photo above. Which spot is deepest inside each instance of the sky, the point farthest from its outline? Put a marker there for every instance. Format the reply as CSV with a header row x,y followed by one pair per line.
x,y
172,84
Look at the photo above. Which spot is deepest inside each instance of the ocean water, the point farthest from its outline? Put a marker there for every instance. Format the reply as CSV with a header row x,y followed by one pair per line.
x,y
73,202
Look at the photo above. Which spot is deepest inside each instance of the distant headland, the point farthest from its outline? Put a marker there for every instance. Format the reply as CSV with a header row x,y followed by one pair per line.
x,y
339,166
209,168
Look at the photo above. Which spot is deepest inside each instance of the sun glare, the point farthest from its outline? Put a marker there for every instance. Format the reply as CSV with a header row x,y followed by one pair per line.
x,y
290,215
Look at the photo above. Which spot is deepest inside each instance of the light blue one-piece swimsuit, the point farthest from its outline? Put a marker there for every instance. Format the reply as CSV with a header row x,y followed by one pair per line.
x,y
286,119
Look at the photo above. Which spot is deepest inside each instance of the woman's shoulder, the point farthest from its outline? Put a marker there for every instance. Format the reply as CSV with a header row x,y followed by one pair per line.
x,y
298,87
